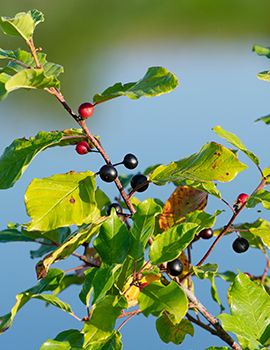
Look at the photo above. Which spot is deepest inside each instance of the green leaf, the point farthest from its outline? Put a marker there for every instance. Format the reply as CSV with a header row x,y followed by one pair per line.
x,y
34,78
203,219
156,298
261,196
19,59
63,200
174,333
265,75
213,162
261,50
113,342
41,251
111,306
3,79
265,119
112,243
99,280
16,157
207,186
250,310
68,280
157,81
23,24
236,142
169,244
51,344
262,231
53,300
71,339
96,339
66,249
218,348
209,271
13,235
47,284
143,226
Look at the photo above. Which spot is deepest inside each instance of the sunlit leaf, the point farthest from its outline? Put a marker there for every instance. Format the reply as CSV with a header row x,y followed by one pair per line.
x,y
182,201
209,271
96,339
47,284
157,81
168,245
265,119
213,162
250,310
64,250
261,50
62,200
236,142
113,240
23,24
143,226
17,156
157,298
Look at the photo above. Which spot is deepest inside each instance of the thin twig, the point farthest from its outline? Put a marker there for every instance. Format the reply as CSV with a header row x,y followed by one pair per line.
x,y
95,142
221,333
228,226
267,267
134,313
201,324
32,48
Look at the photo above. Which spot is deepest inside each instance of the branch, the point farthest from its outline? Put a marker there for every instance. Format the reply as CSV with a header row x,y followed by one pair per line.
x,y
220,332
201,324
94,141
228,226
32,48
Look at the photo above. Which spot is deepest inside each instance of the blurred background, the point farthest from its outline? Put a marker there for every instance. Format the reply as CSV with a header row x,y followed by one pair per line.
x,y
208,45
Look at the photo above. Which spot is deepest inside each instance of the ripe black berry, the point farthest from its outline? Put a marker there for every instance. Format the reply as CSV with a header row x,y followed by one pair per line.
x,y
207,233
138,180
175,267
240,245
116,206
108,173
130,161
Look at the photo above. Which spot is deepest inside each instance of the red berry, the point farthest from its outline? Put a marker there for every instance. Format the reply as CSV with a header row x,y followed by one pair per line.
x,y
82,147
242,198
143,285
86,110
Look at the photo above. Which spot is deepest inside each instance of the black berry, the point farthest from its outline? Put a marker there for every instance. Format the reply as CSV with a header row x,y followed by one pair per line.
x,y
207,233
175,267
116,206
240,245
108,173
130,161
139,180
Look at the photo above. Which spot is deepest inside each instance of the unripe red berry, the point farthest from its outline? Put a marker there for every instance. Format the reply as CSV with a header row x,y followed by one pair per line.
x,y
86,110
143,285
242,198
82,147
